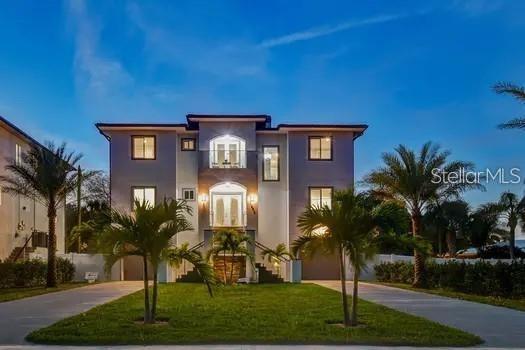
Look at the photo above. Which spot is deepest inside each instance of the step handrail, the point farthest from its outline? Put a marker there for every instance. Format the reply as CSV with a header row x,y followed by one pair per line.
x,y
23,247
197,246
263,247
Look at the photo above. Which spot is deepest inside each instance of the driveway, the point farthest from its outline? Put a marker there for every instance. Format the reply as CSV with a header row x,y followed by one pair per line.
x,y
20,317
497,326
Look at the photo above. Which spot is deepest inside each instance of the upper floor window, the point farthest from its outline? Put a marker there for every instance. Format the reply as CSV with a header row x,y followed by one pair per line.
x,y
320,148
188,194
321,196
227,152
143,195
143,147
188,144
270,164
18,154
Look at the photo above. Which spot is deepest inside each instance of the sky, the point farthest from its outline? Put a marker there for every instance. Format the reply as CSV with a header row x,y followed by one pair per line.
x,y
413,71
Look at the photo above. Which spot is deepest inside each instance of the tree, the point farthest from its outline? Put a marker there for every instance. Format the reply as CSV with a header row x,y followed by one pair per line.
x,y
416,181
345,229
230,241
280,253
148,234
517,92
512,210
484,225
447,219
46,175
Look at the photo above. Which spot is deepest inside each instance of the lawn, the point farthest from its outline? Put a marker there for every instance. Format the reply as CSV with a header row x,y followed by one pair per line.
x,y
9,294
253,314
517,303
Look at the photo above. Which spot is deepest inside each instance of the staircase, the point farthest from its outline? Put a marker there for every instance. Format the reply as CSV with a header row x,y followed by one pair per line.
x,y
266,276
191,276
20,253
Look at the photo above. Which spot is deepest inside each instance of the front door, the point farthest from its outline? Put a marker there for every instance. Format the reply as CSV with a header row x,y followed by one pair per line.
x,y
227,210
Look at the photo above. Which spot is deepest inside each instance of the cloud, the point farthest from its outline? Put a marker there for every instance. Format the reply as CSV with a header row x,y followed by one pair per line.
x,y
97,74
317,32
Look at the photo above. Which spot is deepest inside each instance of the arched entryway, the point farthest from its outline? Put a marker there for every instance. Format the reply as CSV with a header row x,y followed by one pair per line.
x,y
228,205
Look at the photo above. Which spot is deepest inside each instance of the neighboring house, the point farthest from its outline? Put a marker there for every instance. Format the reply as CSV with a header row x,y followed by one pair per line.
x,y
23,221
235,171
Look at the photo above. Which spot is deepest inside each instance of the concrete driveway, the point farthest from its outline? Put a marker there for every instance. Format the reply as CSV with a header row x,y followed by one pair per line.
x,y
497,326
20,317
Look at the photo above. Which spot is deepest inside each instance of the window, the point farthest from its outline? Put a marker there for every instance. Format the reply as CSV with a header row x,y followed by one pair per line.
x,y
143,147
143,194
320,148
270,163
188,194
187,144
18,154
227,152
321,196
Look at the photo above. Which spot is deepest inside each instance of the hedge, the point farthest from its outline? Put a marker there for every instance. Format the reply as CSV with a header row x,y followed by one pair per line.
x,y
483,278
32,273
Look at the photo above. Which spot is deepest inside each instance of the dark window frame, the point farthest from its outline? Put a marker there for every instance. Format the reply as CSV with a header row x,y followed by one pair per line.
x,y
133,137
320,138
182,148
133,188
278,163
189,189
310,188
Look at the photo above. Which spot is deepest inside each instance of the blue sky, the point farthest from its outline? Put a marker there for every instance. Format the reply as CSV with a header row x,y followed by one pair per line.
x,y
414,71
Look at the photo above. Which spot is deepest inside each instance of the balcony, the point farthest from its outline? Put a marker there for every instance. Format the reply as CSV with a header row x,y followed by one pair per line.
x,y
227,159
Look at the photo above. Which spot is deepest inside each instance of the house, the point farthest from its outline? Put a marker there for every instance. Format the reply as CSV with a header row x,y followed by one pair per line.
x,y
235,171
23,221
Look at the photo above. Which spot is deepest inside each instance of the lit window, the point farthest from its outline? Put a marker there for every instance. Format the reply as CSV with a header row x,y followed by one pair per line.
x,y
143,147
270,163
188,144
320,147
143,195
188,194
321,196
18,154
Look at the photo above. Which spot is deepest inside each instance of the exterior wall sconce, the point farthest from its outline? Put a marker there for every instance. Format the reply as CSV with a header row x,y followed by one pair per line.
x,y
252,199
203,199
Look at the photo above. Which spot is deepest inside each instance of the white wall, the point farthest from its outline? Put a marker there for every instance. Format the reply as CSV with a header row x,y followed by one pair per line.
x,y
92,263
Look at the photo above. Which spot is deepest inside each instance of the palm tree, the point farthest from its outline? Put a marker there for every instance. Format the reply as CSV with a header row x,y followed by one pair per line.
x,y
280,253
447,219
512,209
230,241
484,225
46,175
519,93
148,234
416,181
345,229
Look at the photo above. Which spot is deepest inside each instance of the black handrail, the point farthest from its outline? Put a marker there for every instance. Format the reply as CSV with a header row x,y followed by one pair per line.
x,y
263,247
23,247
197,246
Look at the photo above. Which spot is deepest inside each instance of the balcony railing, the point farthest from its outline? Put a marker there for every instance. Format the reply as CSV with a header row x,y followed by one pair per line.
x,y
227,159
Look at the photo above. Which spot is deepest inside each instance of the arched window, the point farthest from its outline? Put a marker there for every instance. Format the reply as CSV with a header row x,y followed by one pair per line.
x,y
227,152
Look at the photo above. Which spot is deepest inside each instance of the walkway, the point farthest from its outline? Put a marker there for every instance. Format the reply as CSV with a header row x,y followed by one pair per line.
x,y
20,317
498,326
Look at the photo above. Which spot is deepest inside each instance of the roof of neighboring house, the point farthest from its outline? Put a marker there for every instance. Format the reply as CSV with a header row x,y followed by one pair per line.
x,y
13,128
263,124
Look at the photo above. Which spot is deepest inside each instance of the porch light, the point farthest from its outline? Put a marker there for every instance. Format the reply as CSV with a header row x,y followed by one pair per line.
x,y
203,198
252,198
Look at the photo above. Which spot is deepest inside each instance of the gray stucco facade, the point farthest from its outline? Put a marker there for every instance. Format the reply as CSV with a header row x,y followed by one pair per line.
x,y
267,208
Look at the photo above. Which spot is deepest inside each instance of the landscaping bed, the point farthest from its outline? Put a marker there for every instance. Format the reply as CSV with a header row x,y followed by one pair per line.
x,y
247,314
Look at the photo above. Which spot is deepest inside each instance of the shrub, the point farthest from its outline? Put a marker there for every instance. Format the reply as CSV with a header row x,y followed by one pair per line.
x,y
32,273
483,278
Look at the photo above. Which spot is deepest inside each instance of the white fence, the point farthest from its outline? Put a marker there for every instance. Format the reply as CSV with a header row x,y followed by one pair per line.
x,y
369,273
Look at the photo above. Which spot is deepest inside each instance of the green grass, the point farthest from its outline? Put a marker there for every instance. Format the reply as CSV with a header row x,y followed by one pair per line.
x,y
9,294
253,314
517,304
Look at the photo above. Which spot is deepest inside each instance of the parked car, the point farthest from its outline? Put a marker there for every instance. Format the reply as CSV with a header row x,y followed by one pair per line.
x,y
500,251
469,253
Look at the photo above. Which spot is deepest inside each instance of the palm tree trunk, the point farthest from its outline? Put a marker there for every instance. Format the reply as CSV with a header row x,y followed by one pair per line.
x,y
51,280
451,243
155,293
231,268
354,297
147,313
512,241
440,243
342,272
224,270
419,260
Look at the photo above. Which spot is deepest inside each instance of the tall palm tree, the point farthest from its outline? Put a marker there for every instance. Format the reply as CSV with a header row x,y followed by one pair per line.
x,y
412,180
448,219
280,253
230,241
517,92
484,225
46,175
512,210
148,234
345,229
